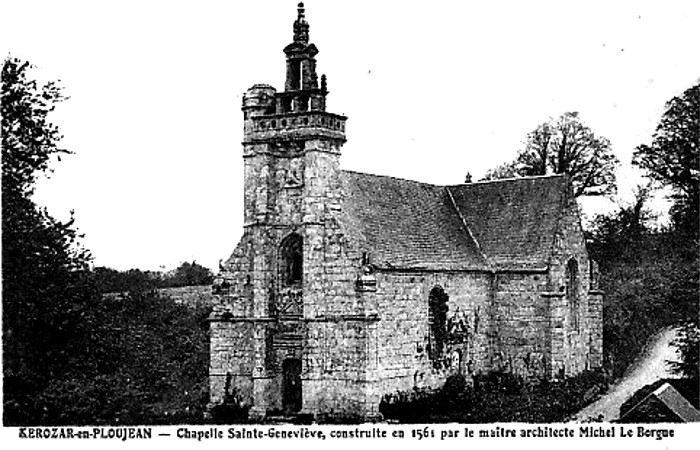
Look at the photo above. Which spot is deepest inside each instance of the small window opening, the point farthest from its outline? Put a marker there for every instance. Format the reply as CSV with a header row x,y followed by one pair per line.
x,y
572,294
296,75
437,321
291,260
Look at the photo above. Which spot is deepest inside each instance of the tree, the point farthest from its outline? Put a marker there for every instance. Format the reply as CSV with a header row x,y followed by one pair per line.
x,y
672,158
565,146
647,279
133,280
501,171
617,237
45,287
71,357
688,345
188,274
29,140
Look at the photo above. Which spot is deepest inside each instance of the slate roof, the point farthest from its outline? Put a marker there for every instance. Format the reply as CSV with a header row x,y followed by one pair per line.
x,y
515,220
478,226
669,404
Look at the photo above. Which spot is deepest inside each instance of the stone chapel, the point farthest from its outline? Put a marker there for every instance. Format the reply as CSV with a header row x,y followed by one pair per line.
x,y
347,286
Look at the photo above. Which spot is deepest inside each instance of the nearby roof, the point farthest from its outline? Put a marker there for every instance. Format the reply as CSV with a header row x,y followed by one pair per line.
x,y
668,400
677,403
411,225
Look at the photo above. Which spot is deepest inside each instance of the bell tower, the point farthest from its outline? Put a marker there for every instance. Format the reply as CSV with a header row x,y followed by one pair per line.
x,y
282,128
292,185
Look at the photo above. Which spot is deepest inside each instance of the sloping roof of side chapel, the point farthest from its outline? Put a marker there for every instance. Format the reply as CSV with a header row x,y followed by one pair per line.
x,y
508,224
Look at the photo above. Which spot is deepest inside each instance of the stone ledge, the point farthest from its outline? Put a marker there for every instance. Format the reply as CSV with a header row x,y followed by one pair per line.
x,y
553,294
333,318
344,318
241,319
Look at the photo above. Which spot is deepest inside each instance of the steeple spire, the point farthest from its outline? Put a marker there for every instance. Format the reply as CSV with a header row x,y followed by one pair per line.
x,y
299,112
301,26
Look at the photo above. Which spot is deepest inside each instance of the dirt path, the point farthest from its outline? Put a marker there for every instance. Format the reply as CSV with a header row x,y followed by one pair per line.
x,y
651,366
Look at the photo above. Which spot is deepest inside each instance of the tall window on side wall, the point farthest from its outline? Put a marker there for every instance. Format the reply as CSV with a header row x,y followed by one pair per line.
x,y
572,294
291,263
437,322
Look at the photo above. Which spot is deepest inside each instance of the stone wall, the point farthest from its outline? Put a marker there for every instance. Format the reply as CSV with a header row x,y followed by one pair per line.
x,y
595,328
231,350
576,325
336,366
520,325
402,349
339,321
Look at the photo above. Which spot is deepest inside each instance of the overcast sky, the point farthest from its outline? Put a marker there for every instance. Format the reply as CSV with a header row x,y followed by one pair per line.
x,y
433,90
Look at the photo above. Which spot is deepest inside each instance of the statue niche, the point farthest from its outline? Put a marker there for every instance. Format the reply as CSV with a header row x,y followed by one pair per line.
x,y
290,276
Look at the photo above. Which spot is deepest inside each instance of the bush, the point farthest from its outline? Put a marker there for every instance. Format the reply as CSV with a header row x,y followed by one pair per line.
x,y
143,360
495,397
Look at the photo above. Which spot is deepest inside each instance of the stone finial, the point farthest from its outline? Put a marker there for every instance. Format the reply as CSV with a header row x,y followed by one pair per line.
x,y
324,83
301,26
366,282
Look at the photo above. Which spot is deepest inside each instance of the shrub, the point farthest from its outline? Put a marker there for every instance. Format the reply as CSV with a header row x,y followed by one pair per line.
x,y
494,397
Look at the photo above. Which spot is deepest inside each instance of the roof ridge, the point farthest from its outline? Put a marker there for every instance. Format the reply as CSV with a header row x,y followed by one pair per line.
x,y
505,180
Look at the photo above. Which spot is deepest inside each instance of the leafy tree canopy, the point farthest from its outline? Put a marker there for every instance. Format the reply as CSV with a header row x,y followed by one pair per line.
x,y
672,158
565,146
650,282
28,138
188,274
71,357
136,280
45,286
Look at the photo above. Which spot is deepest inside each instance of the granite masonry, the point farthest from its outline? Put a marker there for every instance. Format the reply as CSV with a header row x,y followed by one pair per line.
x,y
347,286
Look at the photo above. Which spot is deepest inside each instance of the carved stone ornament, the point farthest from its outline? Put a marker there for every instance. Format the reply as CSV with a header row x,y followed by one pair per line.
x,y
290,302
294,175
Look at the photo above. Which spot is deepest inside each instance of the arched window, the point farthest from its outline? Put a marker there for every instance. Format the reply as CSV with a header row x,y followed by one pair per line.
x,y
437,321
572,294
291,267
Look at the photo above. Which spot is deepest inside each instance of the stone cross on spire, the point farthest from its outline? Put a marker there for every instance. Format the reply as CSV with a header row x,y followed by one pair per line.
x,y
301,27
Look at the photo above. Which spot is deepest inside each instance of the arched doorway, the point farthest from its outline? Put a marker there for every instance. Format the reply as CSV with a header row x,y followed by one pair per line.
x,y
291,385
